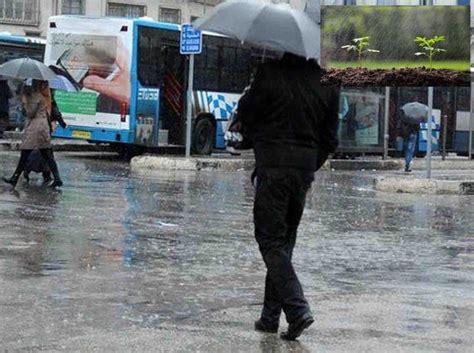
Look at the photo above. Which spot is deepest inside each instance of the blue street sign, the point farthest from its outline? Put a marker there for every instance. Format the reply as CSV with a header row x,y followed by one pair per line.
x,y
191,40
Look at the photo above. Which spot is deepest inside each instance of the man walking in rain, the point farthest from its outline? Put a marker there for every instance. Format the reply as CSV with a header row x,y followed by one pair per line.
x,y
292,122
412,114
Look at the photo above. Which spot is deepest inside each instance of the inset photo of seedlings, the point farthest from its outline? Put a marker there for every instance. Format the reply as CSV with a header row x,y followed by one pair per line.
x,y
395,45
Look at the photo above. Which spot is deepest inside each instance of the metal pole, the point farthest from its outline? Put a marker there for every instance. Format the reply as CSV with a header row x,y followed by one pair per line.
x,y
429,133
471,122
386,123
189,107
445,133
313,10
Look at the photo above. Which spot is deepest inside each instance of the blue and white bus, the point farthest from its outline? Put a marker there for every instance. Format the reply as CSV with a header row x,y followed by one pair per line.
x,y
14,47
131,82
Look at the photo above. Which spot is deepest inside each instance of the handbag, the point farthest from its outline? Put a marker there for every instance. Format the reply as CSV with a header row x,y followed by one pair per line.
x,y
56,115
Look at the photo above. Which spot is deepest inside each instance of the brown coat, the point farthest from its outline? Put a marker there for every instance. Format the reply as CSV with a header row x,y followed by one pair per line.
x,y
37,133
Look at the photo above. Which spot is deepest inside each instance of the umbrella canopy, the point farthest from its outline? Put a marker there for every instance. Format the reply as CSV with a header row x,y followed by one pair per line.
x,y
27,68
272,26
62,83
416,112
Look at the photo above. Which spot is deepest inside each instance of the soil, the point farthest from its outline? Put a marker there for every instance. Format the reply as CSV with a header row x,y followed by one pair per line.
x,y
394,77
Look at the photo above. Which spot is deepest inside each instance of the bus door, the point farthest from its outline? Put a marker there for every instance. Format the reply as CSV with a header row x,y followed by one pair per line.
x,y
161,74
149,79
172,93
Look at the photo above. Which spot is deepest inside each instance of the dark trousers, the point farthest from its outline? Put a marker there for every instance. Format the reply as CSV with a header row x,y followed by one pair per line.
x,y
278,207
46,153
4,122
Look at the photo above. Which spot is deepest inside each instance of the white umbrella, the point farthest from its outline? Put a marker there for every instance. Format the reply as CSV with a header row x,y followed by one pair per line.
x,y
272,26
27,68
416,111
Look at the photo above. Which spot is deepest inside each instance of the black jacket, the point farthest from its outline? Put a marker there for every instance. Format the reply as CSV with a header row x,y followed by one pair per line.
x,y
290,118
407,126
5,95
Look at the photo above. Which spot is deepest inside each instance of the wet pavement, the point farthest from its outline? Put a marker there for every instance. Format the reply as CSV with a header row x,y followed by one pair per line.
x,y
119,261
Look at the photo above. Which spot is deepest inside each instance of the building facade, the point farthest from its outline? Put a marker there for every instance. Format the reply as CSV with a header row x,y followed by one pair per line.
x,y
30,17
397,2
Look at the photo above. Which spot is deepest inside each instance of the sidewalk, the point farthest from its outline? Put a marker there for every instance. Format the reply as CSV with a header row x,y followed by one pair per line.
x,y
455,176
436,185
451,176
220,162
226,162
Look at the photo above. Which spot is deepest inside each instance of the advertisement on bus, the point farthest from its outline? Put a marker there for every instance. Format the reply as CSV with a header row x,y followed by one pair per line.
x,y
95,58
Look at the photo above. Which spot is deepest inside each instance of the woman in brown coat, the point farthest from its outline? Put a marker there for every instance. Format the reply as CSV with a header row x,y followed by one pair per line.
x,y
37,131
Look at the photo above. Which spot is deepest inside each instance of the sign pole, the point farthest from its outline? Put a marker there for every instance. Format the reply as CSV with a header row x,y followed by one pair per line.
x,y
190,44
429,133
189,107
313,10
386,123
471,124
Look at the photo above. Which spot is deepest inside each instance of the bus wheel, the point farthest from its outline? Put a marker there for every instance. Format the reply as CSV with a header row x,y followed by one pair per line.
x,y
203,136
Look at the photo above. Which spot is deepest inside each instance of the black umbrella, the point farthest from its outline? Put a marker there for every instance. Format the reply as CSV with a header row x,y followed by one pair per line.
x,y
416,112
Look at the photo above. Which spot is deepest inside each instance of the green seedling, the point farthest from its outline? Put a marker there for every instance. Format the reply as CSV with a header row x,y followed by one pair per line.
x,y
429,47
360,46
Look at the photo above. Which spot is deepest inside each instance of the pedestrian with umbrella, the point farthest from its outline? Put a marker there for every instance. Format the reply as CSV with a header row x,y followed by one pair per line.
x,y
35,102
412,114
292,123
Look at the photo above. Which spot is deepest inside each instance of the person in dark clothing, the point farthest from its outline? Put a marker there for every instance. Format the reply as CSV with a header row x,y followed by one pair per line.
x,y
292,123
5,95
408,131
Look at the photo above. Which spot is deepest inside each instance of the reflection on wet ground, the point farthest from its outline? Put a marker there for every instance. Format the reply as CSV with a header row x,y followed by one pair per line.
x,y
124,259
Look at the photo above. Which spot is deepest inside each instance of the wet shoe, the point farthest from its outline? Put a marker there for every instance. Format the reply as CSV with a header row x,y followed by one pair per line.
x,y
296,328
56,184
262,327
47,181
11,181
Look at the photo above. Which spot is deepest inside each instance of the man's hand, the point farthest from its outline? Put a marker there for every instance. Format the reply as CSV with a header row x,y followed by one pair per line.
x,y
119,87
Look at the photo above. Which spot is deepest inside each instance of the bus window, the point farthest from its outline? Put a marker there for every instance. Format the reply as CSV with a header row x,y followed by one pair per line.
x,y
152,44
206,66
235,69
14,47
149,57
199,69
223,66
227,72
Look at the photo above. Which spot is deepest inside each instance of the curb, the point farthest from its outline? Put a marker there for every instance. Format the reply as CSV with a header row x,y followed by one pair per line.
x,y
444,165
348,164
150,163
424,186
59,146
